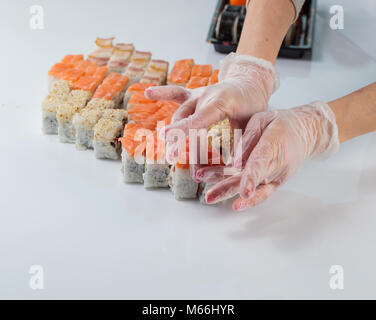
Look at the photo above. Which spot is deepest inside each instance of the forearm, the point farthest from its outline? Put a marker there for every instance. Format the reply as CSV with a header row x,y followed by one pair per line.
x,y
356,113
265,27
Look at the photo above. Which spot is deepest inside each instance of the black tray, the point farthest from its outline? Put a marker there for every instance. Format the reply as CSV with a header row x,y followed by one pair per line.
x,y
294,51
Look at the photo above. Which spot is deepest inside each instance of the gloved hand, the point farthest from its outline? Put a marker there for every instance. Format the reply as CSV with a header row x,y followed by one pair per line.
x,y
275,146
244,88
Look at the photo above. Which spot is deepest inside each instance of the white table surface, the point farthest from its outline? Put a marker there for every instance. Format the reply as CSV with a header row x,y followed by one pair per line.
x,y
96,237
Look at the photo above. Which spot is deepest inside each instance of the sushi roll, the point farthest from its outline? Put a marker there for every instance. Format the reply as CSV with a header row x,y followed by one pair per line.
x,y
136,87
181,72
201,70
134,73
181,183
156,72
83,124
197,82
103,52
68,62
81,93
58,94
107,132
213,78
110,94
133,169
138,98
76,101
157,169
141,59
120,57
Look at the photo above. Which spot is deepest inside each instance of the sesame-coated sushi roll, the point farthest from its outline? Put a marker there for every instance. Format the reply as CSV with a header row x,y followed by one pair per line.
x,y
58,94
77,99
103,52
121,57
107,132
83,123
181,183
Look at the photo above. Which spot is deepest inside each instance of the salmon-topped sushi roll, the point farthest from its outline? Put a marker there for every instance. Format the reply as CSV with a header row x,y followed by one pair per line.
x,y
214,77
180,181
136,87
197,82
103,53
121,57
107,132
112,89
138,98
201,70
72,59
133,152
55,73
181,72
89,68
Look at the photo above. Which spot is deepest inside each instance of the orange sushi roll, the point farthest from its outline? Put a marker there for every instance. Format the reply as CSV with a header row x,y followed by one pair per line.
x,y
88,67
73,59
87,83
138,98
201,70
214,77
197,82
72,75
181,72
57,69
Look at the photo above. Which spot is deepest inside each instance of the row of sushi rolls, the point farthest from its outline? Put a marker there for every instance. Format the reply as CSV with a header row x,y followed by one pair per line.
x,y
99,104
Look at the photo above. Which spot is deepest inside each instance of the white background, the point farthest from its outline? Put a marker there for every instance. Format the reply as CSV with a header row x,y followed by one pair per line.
x,y
99,238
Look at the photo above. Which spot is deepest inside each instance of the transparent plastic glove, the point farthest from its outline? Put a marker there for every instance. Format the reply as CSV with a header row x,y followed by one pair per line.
x,y
244,88
275,146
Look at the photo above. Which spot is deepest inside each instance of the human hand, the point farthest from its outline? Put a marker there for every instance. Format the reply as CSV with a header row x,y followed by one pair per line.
x,y
275,146
244,88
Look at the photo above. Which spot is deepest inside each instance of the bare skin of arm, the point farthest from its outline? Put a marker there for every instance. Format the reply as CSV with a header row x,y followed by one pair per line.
x,y
356,113
265,26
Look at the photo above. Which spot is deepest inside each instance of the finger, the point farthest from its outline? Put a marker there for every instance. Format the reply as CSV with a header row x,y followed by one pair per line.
x,y
171,93
257,167
184,111
251,136
262,193
223,190
209,174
